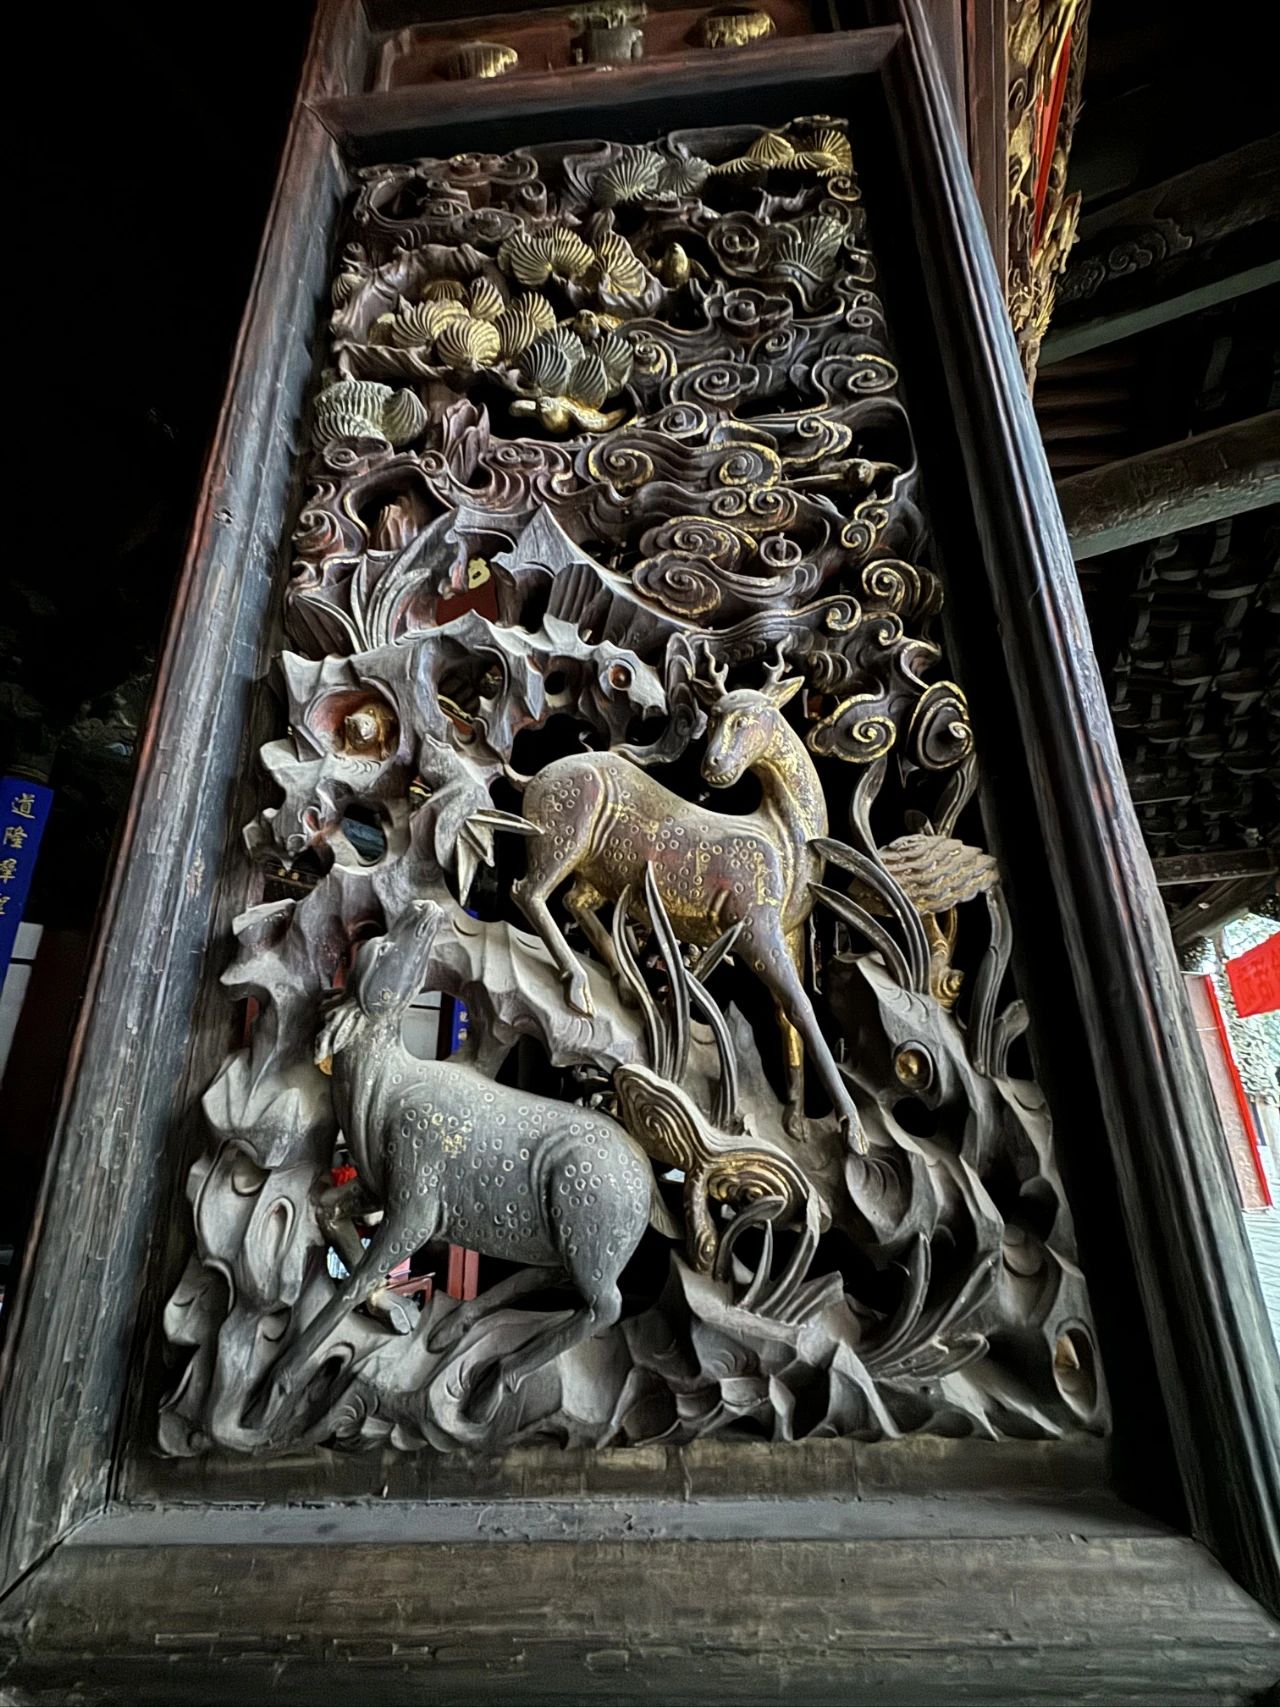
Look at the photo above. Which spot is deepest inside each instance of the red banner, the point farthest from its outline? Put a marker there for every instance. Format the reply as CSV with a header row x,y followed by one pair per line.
x,y
1255,978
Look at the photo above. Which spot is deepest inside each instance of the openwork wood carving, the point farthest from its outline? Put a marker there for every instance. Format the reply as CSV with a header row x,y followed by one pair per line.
x,y
614,715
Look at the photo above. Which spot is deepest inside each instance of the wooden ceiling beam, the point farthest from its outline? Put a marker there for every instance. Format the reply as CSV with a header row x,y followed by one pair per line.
x,y
1111,328
1219,866
1194,240
1217,905
1198,480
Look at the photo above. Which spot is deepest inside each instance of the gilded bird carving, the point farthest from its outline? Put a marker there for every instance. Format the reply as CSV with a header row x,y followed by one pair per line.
x,y
565,381
935,873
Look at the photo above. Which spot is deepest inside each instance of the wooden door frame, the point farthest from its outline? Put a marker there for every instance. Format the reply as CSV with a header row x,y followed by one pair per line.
x,y
1209,1335
1191,1361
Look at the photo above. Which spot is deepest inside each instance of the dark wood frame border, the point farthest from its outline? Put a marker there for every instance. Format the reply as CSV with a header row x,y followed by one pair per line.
x,y
140,1049
1212,1344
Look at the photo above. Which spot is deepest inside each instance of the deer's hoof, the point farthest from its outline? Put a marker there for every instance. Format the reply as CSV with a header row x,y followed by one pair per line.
x,y
851,1129
578,995
269,1398
400,1317
393,1312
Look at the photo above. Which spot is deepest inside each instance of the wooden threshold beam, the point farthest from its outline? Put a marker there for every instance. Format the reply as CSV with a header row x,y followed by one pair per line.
x,y
1184,485
1136,1620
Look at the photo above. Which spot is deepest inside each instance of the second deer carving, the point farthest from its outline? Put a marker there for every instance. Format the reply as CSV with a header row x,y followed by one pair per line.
x,y
439,1148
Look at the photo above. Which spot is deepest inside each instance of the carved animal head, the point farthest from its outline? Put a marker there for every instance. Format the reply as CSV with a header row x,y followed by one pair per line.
x,y
743,724
388,973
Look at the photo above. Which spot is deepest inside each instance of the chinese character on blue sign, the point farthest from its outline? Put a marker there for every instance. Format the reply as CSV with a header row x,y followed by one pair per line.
x,y
24,811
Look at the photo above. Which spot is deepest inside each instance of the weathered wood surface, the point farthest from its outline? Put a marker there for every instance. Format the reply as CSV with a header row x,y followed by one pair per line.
x,y
68,1345
1046,1620
924,1468
1187,484
949,22
986,65
1209,1334
711,1489
384,124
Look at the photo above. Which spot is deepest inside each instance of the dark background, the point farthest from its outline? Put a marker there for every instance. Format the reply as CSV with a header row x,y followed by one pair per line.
x,y
151,215
138,223
158,205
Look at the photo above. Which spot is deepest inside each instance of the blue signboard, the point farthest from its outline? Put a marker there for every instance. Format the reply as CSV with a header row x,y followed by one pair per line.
x,y
459,1019
24,811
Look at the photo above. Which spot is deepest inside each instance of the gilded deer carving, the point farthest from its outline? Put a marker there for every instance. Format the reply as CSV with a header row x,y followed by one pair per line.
x,y
603,820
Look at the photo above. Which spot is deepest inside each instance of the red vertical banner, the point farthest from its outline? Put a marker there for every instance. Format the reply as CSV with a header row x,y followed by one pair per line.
x,y
1255,979
1242,1101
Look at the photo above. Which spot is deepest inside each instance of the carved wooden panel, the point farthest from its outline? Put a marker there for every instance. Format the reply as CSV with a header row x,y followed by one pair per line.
x,y
616,714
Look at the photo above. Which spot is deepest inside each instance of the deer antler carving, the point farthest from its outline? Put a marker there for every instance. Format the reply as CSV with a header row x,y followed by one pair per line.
x,y
777,670
717,674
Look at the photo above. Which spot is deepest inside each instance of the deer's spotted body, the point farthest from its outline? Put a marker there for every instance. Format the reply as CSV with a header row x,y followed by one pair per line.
x,y
603,820
504,1173
447,1153
612,819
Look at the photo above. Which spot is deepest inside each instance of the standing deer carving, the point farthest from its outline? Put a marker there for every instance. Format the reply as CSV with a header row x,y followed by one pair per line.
x,y
447,1153
603,820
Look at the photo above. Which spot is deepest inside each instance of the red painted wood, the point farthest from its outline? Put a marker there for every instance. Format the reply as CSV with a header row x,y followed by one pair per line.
x,y
464,1273
1049,120
1242,1101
